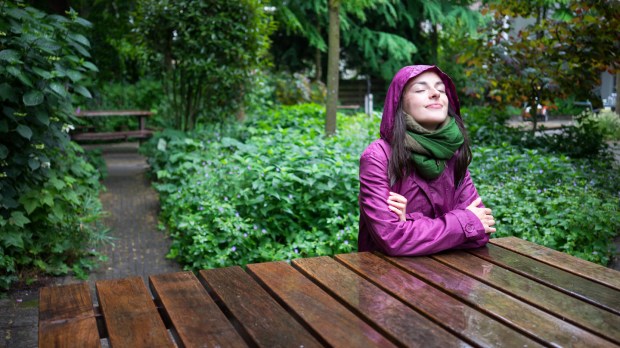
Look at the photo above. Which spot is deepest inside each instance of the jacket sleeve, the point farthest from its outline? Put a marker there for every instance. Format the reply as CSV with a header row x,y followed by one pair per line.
x,y
466,194
418,235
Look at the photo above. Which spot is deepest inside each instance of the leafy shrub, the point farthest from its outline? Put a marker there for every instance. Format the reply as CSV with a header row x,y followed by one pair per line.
x,y
608,122
210,52
584,139
48,192
278,190
275,188
550,200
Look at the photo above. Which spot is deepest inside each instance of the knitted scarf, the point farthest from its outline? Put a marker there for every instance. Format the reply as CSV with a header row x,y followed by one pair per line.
x,y
431,149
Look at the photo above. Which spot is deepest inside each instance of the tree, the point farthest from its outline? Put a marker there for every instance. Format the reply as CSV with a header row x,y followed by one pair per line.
x,y
209,52
562,51
333,61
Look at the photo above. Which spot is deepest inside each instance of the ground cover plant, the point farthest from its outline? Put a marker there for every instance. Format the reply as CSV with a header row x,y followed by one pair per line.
x,y
275,189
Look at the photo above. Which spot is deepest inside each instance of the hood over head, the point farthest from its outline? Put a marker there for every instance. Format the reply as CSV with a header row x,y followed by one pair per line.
x,y
400,80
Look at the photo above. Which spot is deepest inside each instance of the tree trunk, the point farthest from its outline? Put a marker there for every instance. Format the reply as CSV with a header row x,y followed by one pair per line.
x,y
617,92
333,58
434,44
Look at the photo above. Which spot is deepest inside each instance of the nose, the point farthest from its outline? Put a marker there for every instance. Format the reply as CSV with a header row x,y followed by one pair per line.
x,y
433,93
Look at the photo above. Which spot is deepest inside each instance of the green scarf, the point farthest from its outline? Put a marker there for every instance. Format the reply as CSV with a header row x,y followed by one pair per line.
x,y
431,149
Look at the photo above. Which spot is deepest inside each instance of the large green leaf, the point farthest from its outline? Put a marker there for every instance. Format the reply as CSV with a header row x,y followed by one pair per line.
x,y
83,91
9,56
33,98
18,219
80,38
43,73
47,45
42,117
58,88
15,71
74,75
24,131
34,164
12,238
83,51
90,66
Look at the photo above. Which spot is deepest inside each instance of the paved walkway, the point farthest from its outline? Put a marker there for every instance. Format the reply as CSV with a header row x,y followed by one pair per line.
x,y
139,247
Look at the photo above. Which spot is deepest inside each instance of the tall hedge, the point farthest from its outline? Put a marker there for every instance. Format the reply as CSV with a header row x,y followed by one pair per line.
x,y
48,193
210,51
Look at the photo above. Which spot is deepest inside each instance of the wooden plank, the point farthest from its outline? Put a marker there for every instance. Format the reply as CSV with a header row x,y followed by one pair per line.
x,y
566,307
131,317
337,325
592,271
112,135
531,320
66,317
260,317
584,289
195,317
98,113
450,313
389,314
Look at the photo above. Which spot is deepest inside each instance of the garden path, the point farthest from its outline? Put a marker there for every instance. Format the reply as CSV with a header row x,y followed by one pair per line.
x,y
139,247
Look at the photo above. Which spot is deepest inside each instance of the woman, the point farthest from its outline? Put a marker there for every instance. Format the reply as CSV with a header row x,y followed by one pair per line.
x,y
416,195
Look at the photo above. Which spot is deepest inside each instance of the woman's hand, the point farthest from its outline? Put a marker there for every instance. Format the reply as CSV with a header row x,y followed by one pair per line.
x,y
484,214
398,204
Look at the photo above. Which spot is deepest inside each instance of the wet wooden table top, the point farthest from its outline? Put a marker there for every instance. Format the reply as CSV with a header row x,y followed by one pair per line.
x,y
510,293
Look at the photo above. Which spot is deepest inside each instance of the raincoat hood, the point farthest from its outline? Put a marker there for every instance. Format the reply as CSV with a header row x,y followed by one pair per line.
x,y
400,80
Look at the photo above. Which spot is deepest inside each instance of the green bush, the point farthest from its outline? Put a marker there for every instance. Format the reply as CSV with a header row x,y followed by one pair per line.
x,y
210,52
571,206
274,188
48,192
279,190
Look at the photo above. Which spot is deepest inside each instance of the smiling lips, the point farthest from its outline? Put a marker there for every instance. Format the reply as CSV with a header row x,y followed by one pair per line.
x,y
434,106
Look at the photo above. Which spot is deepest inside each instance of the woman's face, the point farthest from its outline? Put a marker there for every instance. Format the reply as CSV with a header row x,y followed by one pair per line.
x,y
426,101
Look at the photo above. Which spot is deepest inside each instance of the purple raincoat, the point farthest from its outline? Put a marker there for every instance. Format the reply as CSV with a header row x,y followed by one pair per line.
x,y
437,218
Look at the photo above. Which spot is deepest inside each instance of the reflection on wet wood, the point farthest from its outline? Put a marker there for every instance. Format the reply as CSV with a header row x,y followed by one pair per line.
x,y
522,316
445,310
332,321
592,271
131,318
260,317
567,282
389,314
194,315
563,306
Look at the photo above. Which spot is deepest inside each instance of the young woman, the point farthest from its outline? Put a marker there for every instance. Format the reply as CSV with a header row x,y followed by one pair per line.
x,y
416,195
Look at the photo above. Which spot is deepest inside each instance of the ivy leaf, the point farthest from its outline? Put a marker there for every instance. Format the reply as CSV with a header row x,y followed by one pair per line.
x,y
10,56
4,151
33,98
13,239
83,91
24,131
30,204
18,219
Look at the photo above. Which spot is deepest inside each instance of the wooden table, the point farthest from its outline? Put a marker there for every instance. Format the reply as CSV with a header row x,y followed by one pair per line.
x,y
511,293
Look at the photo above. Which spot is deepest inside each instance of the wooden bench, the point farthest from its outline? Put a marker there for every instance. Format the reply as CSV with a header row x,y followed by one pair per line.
x,y
509,293
141,133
